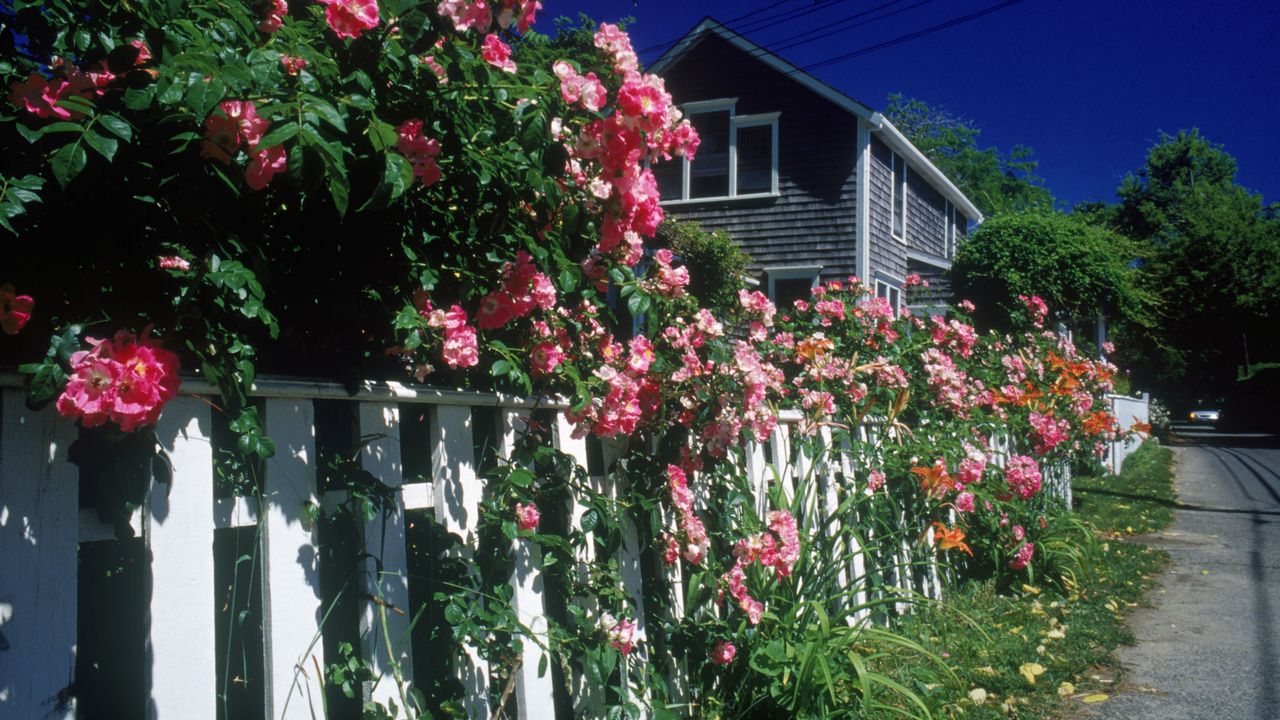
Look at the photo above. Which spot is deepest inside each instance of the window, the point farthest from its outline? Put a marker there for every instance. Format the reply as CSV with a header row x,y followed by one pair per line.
x,y
899,197
737,156
891,293
957,228
788,284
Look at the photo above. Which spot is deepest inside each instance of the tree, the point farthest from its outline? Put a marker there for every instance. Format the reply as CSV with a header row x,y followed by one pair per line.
x,y
1212,255
1077,268
997,182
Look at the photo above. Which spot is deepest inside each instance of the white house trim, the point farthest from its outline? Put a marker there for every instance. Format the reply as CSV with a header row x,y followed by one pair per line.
x,y
862,224
928,259
879,123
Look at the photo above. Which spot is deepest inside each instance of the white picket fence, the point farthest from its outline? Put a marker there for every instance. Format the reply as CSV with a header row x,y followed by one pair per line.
x,y
1127,411
42,527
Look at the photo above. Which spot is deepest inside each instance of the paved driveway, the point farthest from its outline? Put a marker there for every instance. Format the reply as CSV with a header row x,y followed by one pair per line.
x,y
1210,648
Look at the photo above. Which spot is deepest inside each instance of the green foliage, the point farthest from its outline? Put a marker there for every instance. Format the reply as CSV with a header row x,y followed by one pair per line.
x,y
998,182
717,265
1077,268
1070,623
1212,256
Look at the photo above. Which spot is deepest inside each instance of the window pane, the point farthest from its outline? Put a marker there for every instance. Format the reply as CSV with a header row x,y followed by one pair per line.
x,y
709,172
755,159
668,174
787,291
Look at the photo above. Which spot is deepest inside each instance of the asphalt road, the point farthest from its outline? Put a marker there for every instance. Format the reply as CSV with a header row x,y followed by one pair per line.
x,y
1210,646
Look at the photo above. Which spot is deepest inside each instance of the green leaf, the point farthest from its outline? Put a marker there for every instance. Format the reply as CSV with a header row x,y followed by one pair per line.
x,y
27,133
202,95
499,368
117,126
67,163
140,99
520,477
326,111
590,519
638,304
382,136
278,135
105,146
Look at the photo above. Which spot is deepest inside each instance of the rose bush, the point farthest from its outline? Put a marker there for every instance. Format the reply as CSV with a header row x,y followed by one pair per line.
x,y
484,220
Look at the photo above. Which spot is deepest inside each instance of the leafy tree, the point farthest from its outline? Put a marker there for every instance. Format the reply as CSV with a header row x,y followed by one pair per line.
x,y
1079,269
717,264
997,182
1213,255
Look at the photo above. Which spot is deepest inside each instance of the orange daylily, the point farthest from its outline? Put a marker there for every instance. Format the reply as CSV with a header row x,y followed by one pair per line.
x,y
811,348
1099,422
950,538
934,479
1140,427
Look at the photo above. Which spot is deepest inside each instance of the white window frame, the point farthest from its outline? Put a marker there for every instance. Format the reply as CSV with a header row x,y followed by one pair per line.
x,y
952,224
897,185
891,288
792,272
735,122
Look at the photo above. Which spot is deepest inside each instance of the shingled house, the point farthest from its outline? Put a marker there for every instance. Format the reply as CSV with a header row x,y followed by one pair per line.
x,y
813,184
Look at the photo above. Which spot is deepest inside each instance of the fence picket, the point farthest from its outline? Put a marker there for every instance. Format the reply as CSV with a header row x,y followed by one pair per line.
x,y
387,586
457,505
291,580
534,697
181,641
39,529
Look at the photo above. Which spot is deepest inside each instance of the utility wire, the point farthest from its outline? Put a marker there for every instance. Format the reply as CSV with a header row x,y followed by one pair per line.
x,y
759,23
845,23
912,36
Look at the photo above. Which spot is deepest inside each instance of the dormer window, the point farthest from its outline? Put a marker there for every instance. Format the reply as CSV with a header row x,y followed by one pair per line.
x,y
737,156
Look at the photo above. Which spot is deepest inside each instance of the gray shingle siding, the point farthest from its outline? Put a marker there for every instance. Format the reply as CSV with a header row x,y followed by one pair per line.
x,y
887,254
926,217
812,222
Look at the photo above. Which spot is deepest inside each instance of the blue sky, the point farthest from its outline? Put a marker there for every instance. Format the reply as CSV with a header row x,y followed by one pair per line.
x,y
1089,84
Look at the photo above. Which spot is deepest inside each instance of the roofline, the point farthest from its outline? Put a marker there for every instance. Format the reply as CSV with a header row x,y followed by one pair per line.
x,y
892,136
895,139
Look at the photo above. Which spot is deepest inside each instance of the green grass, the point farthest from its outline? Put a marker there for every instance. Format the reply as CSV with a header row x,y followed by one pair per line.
x,y
1140,500
1069,625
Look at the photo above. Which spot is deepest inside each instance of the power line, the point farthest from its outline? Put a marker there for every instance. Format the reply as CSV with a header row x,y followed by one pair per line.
x,y
912,36
808,36
844,24
758,24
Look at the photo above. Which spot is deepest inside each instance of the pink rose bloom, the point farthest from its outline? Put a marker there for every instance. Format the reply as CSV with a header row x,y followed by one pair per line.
x,y
621,633
875,481
722,652
350,18
527,516
15,310
174,263
1018,533
420,150
1023,475
641,355
545,357
264,165
495,311
89,390
460,348
436,69
964,502
39,96
1023,557
274,18
292,65
497,53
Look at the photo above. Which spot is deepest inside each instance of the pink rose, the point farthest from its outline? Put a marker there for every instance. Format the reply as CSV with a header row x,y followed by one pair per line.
x,y
527,516
497,53
15,310
722,652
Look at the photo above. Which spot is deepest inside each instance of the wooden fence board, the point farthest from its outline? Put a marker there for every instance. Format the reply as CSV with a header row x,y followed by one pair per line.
x,y
385,615
181,642
291,578
457,505
39,530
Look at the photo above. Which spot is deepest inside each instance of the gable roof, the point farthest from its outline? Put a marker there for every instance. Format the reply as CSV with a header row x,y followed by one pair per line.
x,y
892,137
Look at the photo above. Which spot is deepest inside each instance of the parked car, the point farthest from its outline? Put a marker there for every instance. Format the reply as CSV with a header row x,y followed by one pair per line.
x,y
1204,416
